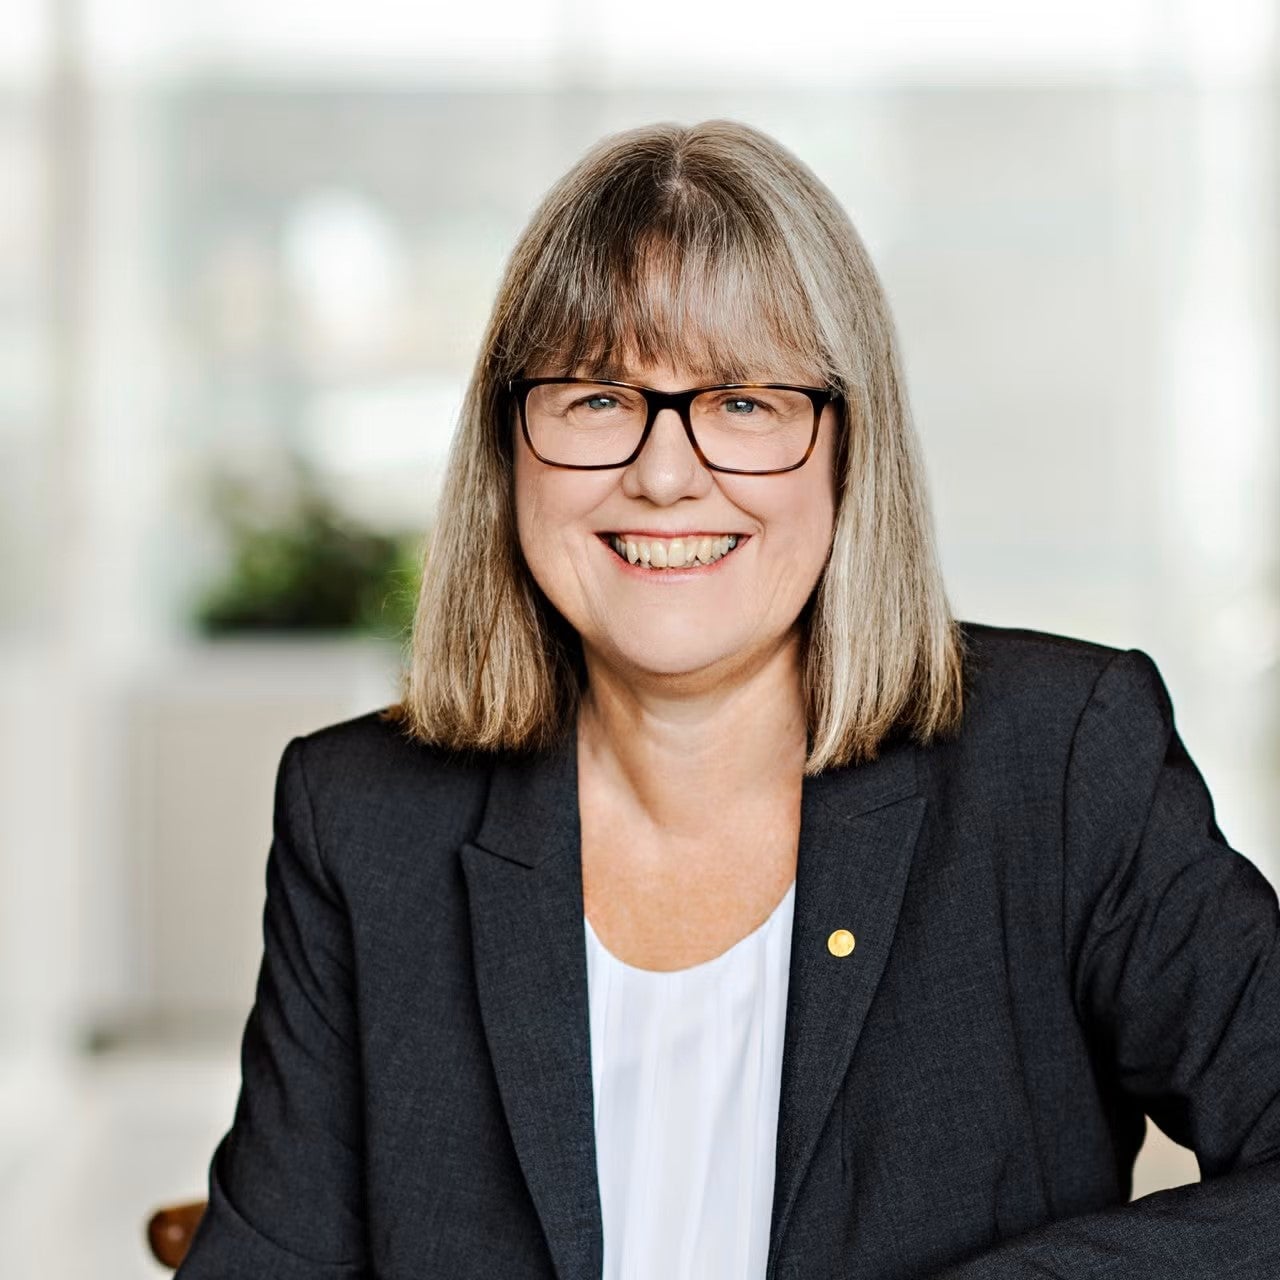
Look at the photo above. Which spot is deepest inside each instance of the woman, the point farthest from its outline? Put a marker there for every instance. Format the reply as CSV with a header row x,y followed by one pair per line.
x,y
713,903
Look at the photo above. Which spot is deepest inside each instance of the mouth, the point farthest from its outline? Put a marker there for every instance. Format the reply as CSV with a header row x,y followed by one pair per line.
x,y
667,556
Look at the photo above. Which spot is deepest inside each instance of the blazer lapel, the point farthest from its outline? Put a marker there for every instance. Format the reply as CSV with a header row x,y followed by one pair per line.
x,y
858,830
524,885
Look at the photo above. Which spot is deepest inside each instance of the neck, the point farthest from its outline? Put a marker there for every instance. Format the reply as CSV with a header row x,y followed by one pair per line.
x,y
682,762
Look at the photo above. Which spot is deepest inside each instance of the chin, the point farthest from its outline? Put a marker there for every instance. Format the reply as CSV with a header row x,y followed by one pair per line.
x,y
668,658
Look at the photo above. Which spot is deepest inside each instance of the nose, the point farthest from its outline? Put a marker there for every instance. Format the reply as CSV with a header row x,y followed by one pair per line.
x,y
667,466
668,438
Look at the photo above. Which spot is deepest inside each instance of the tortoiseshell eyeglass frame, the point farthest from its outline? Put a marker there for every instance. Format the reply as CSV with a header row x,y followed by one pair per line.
x,y
680,401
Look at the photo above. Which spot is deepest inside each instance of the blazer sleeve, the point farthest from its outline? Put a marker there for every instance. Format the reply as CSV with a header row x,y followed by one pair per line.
x,y
285,1195
1172,943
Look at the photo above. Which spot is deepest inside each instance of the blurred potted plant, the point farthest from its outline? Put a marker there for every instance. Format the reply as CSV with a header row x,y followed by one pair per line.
x,y
299,565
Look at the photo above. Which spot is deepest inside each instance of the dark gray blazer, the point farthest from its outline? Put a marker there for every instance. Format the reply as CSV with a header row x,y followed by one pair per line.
x,y
1053,938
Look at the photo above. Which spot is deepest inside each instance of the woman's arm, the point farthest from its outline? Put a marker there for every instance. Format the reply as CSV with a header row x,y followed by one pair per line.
x,y
1173,949
285,1182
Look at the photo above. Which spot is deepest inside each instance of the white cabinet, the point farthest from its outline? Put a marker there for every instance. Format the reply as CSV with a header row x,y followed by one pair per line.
x,y
203,736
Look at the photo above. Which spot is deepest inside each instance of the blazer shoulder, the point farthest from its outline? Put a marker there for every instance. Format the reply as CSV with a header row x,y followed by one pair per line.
x,y
378,737
371,785
1039,679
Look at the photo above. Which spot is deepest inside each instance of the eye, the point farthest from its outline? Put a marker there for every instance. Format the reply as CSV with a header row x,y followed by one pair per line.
x,y
737,400
590,401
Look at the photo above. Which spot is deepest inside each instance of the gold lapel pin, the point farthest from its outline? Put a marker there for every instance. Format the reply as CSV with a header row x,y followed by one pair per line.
x,y
841,942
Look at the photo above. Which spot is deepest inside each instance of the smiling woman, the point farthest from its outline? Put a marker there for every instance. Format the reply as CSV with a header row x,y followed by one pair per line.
x,y
714,254
713,904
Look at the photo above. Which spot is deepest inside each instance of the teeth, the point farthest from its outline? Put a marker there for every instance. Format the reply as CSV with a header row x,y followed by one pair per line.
x,y
676,554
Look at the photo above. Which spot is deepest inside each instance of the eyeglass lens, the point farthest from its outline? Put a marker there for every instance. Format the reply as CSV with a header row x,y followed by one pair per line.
x,y
749,429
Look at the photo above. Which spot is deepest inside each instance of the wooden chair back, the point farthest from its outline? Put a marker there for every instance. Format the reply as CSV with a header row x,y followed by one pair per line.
x,y
170,1228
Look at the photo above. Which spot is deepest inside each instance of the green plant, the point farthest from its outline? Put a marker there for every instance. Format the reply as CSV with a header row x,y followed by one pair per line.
x,y
303,566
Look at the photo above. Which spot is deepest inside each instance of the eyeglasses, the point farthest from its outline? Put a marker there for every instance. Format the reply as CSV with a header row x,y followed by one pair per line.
x,y
748,428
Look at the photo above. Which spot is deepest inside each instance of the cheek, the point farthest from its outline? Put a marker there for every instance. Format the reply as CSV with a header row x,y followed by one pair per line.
x,y
554,518
801,530
526,504
537,525
797,518
820,501
811,543
536,528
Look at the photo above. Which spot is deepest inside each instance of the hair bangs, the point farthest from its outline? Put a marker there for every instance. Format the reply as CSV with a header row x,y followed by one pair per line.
x,y
720,311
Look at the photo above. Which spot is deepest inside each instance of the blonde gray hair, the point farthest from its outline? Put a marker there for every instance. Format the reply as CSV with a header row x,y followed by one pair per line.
x,y
713,248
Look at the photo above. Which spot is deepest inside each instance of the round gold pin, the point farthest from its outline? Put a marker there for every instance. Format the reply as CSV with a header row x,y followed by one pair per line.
x,y
841,942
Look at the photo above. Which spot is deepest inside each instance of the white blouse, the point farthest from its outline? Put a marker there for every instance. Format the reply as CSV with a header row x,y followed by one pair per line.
x,y
686,1069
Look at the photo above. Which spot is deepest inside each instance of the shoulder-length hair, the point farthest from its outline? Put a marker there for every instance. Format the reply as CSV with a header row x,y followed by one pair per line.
x,y
709,246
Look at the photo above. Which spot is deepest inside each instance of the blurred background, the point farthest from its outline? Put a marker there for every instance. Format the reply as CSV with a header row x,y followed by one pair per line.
x,y
246,255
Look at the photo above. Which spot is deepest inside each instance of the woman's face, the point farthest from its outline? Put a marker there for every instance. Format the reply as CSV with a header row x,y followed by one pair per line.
x,y
711,619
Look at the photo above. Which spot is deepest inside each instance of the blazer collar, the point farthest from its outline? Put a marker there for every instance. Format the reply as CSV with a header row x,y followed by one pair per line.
x,y
858,830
